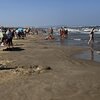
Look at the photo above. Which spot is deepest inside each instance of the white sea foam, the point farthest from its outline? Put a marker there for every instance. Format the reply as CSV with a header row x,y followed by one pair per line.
x,y
77,39
98,52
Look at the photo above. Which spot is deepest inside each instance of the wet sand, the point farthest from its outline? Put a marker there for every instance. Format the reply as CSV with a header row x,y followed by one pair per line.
x,y
34,70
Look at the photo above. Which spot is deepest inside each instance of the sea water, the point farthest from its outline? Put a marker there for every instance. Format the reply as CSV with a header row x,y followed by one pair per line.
x,y
81,39
78,39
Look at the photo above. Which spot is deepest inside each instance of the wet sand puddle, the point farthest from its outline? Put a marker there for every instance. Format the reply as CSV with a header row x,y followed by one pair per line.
x,y
90,55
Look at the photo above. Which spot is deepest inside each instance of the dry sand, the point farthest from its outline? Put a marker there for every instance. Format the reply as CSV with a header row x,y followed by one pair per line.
x,y
34,70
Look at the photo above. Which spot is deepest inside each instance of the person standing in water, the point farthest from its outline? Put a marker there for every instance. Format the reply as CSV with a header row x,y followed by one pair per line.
x,y
62,33
66,32
91,43
91,37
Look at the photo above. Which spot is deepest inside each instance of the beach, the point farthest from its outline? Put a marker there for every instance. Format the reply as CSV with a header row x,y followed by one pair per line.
x,y
36,69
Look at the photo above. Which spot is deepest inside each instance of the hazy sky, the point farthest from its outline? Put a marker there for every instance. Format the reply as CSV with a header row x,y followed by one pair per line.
x,y
49,12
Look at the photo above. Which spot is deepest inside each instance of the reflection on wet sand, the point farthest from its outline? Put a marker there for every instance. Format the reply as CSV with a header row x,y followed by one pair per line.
x,y
92,51
62,41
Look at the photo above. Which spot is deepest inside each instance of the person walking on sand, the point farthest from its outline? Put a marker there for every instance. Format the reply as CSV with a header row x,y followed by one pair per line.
x,y
9,38
91,37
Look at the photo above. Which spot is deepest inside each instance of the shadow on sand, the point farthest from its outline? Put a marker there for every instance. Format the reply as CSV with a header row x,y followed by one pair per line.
x,y
18,44
5,67
13,49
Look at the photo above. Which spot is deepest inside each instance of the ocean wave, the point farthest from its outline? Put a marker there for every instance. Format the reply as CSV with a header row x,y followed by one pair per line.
x,y
77,39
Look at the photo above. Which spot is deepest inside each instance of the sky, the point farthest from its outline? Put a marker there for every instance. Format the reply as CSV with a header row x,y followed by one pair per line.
x,y
49,12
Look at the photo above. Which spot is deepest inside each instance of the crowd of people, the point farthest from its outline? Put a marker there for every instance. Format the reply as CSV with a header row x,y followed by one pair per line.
x,y
63,32
7,35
